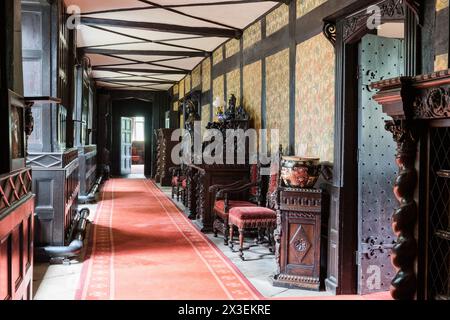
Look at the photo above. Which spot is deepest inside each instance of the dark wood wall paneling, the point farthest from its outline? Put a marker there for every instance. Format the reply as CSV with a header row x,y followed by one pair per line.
x,y
16,211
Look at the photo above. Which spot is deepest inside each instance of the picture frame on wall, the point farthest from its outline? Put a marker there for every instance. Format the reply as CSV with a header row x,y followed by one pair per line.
x,y
12,126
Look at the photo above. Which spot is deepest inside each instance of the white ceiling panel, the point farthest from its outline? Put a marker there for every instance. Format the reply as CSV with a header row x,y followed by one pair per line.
x,y
185,13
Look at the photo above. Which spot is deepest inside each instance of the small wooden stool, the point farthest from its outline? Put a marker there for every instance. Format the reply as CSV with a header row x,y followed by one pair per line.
x,y
245,218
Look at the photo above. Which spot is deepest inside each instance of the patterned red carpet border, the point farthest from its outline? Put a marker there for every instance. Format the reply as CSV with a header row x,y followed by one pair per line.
x,y
99,281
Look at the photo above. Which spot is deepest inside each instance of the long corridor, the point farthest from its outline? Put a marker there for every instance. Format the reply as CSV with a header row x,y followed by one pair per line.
x,y
143,247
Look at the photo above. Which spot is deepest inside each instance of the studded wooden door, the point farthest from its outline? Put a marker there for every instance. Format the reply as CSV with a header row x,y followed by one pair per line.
x,y
379,58
125,146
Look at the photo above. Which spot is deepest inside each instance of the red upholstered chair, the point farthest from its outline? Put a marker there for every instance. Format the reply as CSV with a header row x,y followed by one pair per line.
x,y
261,218
225,200
179,183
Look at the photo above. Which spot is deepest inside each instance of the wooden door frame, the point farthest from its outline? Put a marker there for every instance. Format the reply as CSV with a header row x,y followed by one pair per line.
x,y
117,114
344,29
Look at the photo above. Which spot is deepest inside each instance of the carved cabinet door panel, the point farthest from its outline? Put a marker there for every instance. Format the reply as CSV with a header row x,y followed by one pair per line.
x,y
379,58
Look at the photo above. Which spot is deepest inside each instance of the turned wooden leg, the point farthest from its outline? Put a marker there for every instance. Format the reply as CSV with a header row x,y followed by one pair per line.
x,y
178,193
173,192
241,244
215,231
226,231
271,240
230,227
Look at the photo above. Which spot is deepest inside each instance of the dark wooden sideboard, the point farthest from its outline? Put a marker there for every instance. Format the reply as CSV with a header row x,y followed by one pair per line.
x,y
300,251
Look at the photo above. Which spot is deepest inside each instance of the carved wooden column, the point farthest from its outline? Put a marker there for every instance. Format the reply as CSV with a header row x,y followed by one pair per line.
x,y
396,97
404,219
411,101
191,193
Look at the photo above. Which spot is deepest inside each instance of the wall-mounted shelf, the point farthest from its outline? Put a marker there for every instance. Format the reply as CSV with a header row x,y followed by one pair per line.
x,y
40,100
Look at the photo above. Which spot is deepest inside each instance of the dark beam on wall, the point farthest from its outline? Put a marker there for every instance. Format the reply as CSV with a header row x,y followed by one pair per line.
x,y
162,27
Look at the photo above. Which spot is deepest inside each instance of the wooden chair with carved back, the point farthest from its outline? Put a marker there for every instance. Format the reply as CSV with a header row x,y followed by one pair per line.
x,y
255,212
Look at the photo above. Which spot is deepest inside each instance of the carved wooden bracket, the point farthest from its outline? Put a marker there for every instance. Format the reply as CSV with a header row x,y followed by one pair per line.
x,y
329,30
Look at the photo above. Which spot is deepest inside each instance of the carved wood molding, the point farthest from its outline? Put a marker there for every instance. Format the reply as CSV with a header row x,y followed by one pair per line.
x,y
389,10
424,97
14,187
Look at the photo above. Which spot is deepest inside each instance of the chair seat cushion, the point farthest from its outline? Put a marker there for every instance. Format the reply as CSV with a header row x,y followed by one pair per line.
x,y
176,180
252,217
219,206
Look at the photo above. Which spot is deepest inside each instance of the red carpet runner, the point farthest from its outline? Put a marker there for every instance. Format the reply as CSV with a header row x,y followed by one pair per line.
x,y
143,247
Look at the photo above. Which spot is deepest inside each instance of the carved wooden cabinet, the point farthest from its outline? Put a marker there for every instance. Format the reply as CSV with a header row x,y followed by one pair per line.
x,y
301,222
164,156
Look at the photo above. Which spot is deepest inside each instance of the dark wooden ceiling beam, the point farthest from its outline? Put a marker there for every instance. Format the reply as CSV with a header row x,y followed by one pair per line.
x,y
139,70
162,27
144,39
159,6
182,5
165,53
133,81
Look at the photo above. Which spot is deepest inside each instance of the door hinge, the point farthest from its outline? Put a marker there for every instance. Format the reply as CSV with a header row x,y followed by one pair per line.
x,y
371,246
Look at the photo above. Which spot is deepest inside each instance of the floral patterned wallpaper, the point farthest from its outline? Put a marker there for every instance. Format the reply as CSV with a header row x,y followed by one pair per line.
x,y
218,91
218,55
206,74
206,113
305,6
197,76
234,85
187,84
277,19
277,94
232,47
441,4
252,92
252,35
441,62
181,89
314,99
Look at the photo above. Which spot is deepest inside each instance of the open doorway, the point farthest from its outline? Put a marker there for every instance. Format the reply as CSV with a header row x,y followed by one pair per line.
x,y
132,146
